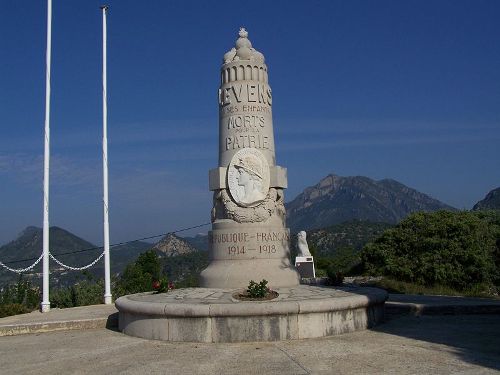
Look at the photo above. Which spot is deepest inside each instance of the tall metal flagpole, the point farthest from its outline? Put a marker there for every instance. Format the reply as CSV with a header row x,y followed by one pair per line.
x,y
45,305
107,277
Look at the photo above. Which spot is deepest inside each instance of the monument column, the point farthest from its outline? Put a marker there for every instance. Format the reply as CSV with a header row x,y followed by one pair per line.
x,y
248,240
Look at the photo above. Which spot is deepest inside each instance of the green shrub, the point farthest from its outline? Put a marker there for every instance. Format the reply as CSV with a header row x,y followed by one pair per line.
x,y
83,293
257,290
22,293
62,298
13,309
139,276
335,277
452,249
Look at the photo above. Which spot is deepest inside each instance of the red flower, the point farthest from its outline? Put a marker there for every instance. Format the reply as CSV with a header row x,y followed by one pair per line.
x,y
156,285
171,285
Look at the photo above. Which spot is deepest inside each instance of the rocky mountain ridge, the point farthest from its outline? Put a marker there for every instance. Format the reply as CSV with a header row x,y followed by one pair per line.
x,y
490,202
172,245
337,199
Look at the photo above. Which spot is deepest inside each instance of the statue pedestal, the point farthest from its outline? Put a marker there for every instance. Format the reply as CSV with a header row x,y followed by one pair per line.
x,y
305,267
239,254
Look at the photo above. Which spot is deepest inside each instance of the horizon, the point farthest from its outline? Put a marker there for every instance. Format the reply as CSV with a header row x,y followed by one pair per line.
x,y
406,91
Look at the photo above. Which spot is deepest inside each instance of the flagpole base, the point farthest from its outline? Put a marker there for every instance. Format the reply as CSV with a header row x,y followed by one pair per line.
x,y
108,300
45,307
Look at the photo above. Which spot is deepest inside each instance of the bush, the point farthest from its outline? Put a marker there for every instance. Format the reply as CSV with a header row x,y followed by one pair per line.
x,y
19,298
335,277
84,293
139,276
22,293
257,290
13,309
453,249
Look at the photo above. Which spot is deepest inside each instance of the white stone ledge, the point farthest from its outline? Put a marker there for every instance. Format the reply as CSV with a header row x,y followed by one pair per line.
x,y
302,312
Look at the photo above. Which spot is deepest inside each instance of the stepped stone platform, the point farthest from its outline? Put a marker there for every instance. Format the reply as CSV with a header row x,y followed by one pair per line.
x,y
214,315
75,318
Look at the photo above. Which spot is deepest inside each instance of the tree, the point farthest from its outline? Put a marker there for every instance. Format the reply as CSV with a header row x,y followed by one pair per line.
x,y
455,249
139,276
19,298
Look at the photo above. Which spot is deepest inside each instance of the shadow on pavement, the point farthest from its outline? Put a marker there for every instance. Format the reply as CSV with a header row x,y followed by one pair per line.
x,y
476,338
112,322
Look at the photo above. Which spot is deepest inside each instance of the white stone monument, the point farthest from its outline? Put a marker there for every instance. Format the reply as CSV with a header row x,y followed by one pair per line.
x,y
248,240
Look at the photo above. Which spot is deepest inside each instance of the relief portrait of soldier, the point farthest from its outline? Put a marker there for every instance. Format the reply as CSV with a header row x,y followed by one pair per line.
x,y
250,177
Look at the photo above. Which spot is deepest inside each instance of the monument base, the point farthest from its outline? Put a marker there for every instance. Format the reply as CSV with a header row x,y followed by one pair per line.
x,y
226,274
214,315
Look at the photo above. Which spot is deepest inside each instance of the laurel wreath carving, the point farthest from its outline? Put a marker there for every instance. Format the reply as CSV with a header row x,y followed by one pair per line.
x,y
226,208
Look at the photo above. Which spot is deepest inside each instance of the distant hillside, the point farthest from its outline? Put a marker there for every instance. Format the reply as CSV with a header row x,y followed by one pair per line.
x,y
185,266
337,199
490,202
182,262
122,255
29,245
180,259
353,234
200,241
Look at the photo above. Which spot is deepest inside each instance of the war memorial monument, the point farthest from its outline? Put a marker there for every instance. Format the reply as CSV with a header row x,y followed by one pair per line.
x,y
249,239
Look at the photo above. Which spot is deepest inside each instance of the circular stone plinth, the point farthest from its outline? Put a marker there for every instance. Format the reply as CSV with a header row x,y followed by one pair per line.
x,y
213,315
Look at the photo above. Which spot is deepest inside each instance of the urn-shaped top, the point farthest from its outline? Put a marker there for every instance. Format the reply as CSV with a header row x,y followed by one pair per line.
x,y
243,50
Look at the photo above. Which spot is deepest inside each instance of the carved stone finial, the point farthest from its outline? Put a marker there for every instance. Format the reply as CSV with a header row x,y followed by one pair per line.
x,y
243,33
243,50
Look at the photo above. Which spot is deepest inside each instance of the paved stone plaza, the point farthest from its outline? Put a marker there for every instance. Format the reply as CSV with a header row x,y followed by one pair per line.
x,y
407,345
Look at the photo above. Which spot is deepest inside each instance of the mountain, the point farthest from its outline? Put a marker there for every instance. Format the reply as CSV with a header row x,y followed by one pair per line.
x,y
337,199
200,241
490,202
66,247
172,245
29,244
181,260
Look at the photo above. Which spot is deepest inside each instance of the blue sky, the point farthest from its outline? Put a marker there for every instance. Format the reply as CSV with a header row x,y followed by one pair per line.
x,y
408,90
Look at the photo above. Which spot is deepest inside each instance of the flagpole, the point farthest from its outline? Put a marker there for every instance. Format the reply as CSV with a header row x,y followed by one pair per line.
x,y
45,305
107,276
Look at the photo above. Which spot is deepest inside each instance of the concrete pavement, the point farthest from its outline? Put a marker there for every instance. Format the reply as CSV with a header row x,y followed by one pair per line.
x,y
461,344
84,317
415,339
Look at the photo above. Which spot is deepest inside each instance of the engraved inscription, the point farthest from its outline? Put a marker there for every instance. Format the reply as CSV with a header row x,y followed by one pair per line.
x,y
252,93
240,238
228,237
235,250
245,121
229,109
234,109
273,236
263,243
247,140
256,108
